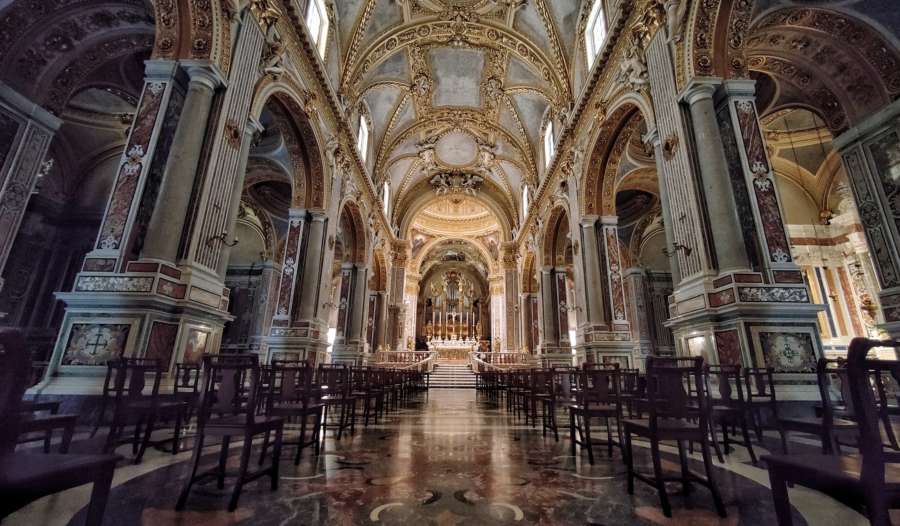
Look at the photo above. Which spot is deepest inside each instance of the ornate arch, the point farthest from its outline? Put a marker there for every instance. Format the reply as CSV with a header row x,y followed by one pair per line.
x,y
301,140
379,280
598,188
193,29
422,254
418,197
555,236
353,232
833,57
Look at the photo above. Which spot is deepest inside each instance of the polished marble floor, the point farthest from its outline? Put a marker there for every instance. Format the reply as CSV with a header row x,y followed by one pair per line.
x,y
450,458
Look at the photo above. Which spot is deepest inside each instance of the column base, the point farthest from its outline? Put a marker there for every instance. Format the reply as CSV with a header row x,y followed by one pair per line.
x,y
753,324
120,316
304,340
350,353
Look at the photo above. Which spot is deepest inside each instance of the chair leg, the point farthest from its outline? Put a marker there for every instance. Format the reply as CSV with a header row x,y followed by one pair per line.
x,y
708,465
780,498
99,496
746,434
151,420
302,438
195,463
784,441
685,472
658,478
176,436
223,459
246,450
629,462
276,457
609,438
136,439
572,432
265,449
588,442
715,442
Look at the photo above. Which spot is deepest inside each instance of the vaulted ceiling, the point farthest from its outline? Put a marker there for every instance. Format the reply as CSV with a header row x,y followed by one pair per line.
x,y
457,85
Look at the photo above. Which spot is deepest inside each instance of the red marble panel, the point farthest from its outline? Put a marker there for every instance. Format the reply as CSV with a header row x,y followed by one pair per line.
x,y
172,272
290,268
763,186
142,266
171,289
161,342
344,302
728,347
614,268
132,166
787,276
99,265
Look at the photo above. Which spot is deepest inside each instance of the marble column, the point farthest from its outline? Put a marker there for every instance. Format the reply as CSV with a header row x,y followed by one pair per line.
x,y
636,284
549,341
360,305
251,130
396,313
511,341
870,153
380,338
27,132
664,203
290,268
593,272
141,168
167,223
307,307
498,313
754,183
719,199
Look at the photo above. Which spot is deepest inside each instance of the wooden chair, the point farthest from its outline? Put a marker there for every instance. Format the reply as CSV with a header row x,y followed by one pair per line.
x,y
730,406
40,419
827,426
334,382
673,415
760,389
125,388
186,387
294,396
870,480
26,477
541,388
227,409
366,388
888,402
597,396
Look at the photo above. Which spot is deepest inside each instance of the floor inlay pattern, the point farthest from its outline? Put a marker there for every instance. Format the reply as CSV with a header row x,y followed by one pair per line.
x,y
452,458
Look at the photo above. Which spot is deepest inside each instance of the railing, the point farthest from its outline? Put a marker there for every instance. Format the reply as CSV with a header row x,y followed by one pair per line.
x,y
500,361
422,361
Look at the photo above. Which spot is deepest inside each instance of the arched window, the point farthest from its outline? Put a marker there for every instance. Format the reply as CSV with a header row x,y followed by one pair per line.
x,y
549,143
362,138
595,32
317,24
387,198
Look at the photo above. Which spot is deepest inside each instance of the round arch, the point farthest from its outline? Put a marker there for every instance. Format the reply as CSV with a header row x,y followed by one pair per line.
x,y
308,179
426,249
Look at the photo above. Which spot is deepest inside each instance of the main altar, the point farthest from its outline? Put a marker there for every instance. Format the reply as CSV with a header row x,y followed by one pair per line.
x,y
453,323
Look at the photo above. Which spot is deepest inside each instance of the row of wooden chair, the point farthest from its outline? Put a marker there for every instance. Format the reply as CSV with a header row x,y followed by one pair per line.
x,y
684,402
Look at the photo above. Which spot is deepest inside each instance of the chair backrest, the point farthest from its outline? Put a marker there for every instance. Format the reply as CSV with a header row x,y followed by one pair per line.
x,y
290,382
675,389
187,378
834,382
336,377
723,384
542,381
229,386
126,379
600,384
15,364
871,445
760,384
